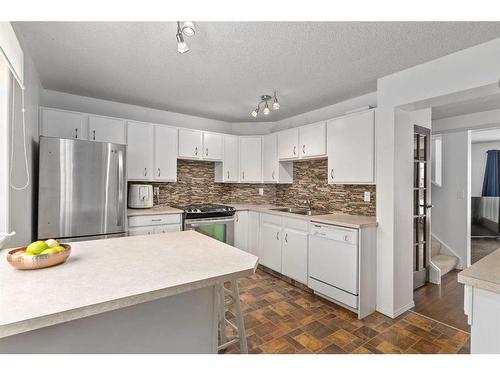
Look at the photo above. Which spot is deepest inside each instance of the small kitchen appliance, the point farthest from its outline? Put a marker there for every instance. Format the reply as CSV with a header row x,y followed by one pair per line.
x,y
140,196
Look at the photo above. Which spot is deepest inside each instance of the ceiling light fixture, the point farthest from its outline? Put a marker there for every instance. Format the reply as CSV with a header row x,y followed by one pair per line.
x,y
186,29
266,99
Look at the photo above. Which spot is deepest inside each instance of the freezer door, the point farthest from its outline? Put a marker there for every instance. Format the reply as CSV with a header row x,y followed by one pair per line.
x,y
81,188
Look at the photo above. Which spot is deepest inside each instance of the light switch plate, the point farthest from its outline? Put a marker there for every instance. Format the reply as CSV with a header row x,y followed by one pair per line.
x,y
367,197
156,190
261,191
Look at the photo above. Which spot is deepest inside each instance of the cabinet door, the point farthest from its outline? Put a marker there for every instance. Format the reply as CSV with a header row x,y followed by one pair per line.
x,y
254,233
165,153
288,144
140,161
167,228
241,230
190,144
107,129
212,146
250,159
294,253
270,252
63,124
270,164
313,140
231,159
351,149
140,231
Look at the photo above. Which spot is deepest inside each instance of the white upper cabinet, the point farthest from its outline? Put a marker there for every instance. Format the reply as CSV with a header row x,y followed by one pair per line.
x,y
288,144
227,171
165,153
351,149
63,124
190,144
107,129
212,146
270,158
313,140
250,159
140,158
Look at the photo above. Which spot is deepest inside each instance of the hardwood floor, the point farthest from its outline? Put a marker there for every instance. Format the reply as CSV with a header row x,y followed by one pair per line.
x,y
444,303
281,318
480,247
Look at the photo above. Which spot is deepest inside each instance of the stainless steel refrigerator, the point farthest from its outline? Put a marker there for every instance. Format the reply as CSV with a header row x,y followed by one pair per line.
x,y
81,191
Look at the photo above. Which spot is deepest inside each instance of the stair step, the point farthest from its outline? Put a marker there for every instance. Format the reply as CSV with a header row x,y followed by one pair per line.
x,y
435,247
445,263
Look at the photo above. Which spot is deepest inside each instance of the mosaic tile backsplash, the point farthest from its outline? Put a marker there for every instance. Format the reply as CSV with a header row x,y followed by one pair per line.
x,y
195,184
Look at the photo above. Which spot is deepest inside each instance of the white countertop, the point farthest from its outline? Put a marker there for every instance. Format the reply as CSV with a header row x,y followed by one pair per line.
x,y
105,275
345,220
153,211
484,274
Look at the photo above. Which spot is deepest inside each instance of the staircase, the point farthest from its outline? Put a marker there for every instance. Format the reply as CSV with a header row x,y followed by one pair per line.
x,y
442,262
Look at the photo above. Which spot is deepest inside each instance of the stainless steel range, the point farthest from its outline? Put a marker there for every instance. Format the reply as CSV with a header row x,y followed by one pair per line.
x,y
214,220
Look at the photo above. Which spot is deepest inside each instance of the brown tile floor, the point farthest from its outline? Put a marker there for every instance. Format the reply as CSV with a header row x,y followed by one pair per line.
x,y
281,318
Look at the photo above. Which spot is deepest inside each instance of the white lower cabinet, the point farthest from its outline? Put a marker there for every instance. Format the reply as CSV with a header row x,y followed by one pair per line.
x,y
254,233
294,253
153,224
270,254
241,230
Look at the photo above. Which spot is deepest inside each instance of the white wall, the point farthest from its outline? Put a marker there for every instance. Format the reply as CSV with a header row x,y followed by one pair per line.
x,y
475,120
449,214
101,107
478,165
474,67
23,204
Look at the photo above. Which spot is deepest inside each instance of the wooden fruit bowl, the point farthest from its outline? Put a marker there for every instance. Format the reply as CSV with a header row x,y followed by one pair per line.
x,y
37,261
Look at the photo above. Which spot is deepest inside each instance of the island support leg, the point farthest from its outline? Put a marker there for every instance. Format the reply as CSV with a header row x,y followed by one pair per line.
x,y
239,318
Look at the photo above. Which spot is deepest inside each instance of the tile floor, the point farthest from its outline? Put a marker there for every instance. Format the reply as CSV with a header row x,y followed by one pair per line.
x,y
480,247
281,318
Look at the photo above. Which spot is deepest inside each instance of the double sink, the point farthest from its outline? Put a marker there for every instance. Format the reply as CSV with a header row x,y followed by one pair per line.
x,y
301,211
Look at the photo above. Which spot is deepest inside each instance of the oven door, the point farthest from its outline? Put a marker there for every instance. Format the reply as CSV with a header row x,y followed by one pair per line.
x,y
221,229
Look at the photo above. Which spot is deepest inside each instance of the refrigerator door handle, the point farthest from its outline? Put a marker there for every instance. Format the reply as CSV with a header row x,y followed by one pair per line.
x,y
119,220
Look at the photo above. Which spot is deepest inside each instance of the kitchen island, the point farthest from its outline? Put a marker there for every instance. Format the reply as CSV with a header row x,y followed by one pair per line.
x,y
482,303
141,294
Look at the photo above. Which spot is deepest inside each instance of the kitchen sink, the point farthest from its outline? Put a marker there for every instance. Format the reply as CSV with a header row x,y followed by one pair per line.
x,y
301,211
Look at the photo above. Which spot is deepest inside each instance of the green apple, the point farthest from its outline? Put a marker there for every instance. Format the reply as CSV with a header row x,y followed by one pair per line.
x,y
36,247
59,248
52,243
50,250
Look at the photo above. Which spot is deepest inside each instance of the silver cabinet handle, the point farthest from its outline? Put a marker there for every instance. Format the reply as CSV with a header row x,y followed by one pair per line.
x,y
243,175
93,135
228,175
206,152
145,172
303,149
295,150
331,173
237,218
76,132
272,175
278,236
196,150
286,237
156,219
347,238
159,172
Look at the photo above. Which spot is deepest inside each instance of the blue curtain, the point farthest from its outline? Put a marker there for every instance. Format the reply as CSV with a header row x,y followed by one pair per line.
x,y
491,182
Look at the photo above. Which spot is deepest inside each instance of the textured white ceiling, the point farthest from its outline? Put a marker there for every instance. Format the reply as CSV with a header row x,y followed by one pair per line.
x,y
312,64
481,104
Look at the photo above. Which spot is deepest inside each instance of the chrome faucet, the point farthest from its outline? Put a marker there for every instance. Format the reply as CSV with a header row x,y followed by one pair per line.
x,y
309,204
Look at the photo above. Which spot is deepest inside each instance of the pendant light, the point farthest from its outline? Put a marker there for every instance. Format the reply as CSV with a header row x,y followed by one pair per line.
x,y
265,99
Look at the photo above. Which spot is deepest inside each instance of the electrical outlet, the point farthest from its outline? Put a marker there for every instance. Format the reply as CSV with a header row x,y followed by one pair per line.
x,y
367,196
261,191
156,190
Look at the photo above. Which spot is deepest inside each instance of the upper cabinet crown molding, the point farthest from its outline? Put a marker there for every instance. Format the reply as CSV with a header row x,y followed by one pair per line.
x,y
351,149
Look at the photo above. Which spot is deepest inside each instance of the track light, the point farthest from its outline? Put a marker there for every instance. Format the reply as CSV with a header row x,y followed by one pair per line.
x,y
276,104
266,99
188,28
182,46
266,110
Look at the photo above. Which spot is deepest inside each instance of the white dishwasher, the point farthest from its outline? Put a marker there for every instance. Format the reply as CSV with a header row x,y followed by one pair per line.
x,y
333,263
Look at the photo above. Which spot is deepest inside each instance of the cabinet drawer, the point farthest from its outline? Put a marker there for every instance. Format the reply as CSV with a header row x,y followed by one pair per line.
x,y
333,293
140,221
167,228
272,219
296,224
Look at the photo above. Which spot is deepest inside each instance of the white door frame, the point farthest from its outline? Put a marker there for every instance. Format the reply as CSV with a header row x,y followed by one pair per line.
x,y
4,146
